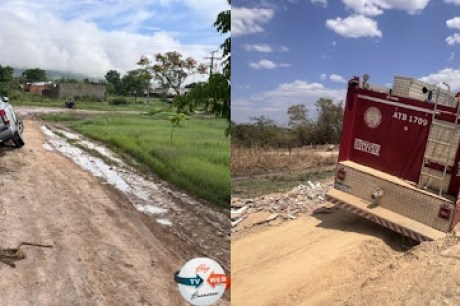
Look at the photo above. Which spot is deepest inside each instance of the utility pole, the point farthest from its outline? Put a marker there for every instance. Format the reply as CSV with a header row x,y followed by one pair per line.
x,y
212,57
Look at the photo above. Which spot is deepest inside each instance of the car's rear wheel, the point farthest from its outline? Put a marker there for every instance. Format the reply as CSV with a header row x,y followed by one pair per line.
x,y
18,141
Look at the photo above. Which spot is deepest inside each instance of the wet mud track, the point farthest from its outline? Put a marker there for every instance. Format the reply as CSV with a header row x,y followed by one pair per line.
x,y
111,246
196,224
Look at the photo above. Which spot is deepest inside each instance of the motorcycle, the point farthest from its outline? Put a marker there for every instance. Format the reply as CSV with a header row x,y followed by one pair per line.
x,y
69,104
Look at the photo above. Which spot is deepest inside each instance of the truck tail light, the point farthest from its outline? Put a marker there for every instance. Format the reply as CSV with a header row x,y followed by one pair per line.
x,y
4,118
444,212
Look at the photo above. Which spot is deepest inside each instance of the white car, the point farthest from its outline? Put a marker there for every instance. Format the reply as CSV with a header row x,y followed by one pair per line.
x,y
11,126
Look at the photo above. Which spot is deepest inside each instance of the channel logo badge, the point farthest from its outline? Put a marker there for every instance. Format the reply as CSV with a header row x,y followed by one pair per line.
x,y
202,281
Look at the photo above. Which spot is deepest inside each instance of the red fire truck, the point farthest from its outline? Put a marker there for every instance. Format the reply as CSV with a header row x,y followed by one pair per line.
x,y
399,159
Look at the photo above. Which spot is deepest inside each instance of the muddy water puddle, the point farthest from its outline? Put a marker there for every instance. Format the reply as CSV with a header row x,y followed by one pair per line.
x,y
117,173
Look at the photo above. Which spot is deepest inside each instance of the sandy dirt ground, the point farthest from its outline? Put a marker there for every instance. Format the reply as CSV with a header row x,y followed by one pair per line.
x,y
104,251
341,259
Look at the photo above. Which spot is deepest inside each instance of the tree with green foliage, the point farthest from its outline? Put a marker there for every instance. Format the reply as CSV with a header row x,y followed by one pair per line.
x,y
175,121
218,88
6,74
242,135
67,80
223,26
34,75
113,79
215,94
144,62
170,69
286,138
329,122
135,82
264,130
6,80
298,115
301,125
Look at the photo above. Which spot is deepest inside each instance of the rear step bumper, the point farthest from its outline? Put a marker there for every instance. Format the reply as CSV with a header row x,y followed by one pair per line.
x,y
398,223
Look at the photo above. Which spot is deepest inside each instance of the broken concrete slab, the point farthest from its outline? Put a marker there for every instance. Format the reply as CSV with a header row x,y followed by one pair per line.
x,y
302,199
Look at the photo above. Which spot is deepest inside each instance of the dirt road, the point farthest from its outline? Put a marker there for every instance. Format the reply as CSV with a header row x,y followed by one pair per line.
x,y
341,259
104,252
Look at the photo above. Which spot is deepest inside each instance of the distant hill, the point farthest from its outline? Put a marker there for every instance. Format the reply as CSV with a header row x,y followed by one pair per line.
x,y
56,75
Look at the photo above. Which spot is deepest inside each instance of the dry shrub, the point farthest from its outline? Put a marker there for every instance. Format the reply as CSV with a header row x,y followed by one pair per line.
x,y
256,161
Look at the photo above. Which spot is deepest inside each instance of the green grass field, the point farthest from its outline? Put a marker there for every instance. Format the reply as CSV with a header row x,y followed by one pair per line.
x,y
140,104
197,160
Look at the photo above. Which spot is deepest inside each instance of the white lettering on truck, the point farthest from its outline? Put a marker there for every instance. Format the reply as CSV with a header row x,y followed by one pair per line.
x,y
367,147
410,118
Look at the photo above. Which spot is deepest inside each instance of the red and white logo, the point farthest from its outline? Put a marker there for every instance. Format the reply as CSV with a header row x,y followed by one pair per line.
x,y
373,117
202,281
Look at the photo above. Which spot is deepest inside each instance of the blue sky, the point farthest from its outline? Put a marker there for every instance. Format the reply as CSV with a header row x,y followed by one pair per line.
x,y
289,52
94,36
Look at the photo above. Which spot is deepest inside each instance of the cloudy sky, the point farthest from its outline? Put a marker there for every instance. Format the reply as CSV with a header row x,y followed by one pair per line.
x,y
94,36
288,52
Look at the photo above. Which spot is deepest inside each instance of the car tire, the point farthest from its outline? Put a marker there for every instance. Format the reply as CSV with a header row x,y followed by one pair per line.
x,y
18,141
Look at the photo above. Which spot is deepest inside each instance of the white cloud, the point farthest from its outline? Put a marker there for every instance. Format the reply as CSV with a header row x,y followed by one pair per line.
x,y
213,7
267,64
354,26
364,7
323,76
377,7
243,87
82,47
274,103
284,49
263,64
323,3
125,14
453,23
450,76
78,36
303,87
453,39
337,78
248,21
258,48
456,2
411,6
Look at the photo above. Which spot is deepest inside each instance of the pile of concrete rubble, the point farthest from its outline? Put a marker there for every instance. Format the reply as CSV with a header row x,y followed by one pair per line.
x,y
276,208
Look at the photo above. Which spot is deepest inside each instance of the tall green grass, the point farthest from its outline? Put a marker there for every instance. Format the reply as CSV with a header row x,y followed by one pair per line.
x,y
132,104
197,160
